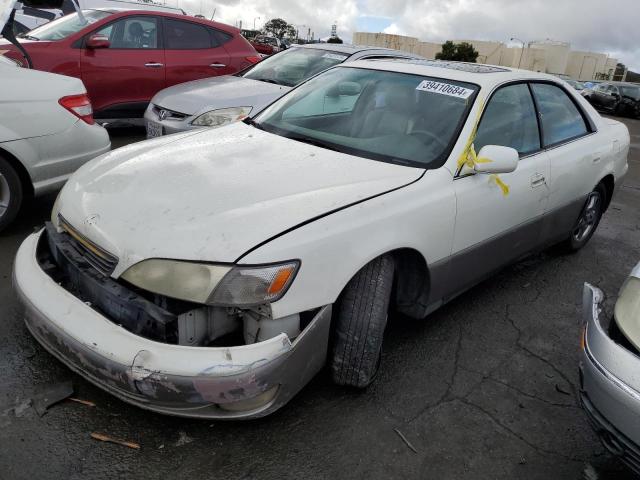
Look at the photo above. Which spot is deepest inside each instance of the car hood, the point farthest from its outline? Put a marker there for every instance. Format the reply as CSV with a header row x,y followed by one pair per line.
x,y
211,195
226,91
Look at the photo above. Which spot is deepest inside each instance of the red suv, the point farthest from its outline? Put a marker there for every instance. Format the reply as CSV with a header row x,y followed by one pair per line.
x,y
125,57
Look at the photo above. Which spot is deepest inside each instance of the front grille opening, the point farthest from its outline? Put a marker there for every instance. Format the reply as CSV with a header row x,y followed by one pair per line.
x,y
96,256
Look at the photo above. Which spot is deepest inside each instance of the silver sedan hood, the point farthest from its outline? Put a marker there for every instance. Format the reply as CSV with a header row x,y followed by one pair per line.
x,y
213,93
214,194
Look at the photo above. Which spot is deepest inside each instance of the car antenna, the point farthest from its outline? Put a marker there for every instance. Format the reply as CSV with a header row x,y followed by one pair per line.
x,y
213,14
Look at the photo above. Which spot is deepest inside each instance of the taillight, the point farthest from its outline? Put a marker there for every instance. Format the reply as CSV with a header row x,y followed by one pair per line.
x,y
253,59
80,106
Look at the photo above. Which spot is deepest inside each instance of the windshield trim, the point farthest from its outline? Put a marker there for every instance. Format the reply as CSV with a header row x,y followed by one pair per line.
x,y
436,163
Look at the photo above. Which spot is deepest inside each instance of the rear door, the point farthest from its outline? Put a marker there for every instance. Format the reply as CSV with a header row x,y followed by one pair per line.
x,y
193,51
122,79
575,155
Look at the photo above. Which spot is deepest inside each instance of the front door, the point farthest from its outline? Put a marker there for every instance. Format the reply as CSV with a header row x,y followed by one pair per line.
x,y
122,79
193,51
492,228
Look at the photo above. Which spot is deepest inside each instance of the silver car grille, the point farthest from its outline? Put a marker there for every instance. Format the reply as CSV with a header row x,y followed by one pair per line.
x,y
166,114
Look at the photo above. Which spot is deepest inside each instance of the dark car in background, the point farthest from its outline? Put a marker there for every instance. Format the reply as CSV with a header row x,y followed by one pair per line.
x,y
124,57
619,98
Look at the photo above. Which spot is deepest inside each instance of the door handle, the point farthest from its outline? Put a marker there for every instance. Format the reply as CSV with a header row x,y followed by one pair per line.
x,y
537,180
154,65
217,65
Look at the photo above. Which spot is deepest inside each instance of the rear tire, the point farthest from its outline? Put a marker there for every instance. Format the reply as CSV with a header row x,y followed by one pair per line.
x,y
588,220
360,322
11,193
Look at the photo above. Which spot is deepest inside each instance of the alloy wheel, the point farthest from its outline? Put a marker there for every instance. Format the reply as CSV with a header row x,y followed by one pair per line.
x,y
589,217
5,195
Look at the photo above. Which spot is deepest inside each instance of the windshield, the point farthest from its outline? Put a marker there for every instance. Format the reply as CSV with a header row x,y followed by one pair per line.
x,y
68,25
388,116
294,66
633,92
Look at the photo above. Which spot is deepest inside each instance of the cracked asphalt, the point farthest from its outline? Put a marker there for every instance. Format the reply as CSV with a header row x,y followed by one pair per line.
x,y
486,387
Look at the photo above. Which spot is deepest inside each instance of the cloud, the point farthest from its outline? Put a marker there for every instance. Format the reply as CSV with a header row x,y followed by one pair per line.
x,y
586,24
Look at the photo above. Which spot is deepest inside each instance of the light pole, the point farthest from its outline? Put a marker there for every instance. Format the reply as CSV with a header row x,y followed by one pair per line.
x,y
521,51
254,22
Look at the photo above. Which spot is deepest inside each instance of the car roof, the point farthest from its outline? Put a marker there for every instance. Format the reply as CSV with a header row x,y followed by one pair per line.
x,y
163,13
484,75
351,49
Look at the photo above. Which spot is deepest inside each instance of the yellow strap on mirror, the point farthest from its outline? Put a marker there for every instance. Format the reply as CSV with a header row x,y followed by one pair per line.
x,y
469,157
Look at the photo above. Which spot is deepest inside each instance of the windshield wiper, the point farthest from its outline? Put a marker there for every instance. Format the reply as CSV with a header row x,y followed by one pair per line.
x,y
28,37
312,141
253,123
268,80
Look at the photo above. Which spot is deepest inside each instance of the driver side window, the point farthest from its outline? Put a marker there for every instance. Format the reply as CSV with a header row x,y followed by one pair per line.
x,y
509,120
132,33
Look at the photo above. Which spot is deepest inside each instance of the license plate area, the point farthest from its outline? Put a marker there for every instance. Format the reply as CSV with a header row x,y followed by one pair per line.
x,y
154,130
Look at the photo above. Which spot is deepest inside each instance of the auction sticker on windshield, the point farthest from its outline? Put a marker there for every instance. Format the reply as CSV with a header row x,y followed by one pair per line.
x,y
444,89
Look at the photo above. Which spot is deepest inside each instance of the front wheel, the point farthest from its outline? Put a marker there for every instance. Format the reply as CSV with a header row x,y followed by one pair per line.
x,y
360,322
588,220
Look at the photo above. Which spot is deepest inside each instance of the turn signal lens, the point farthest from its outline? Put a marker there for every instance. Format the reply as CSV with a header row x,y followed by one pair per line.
x,y
247,286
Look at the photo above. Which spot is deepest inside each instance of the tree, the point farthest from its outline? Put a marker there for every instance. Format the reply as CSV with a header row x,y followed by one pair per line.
x,y
279,28
335,40
459,52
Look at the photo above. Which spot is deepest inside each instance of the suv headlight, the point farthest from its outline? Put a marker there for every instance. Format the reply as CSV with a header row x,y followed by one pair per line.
x,y
627,310
222,285
223,116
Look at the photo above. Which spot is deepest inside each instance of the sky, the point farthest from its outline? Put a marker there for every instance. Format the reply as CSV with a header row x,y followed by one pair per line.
x,y
594,25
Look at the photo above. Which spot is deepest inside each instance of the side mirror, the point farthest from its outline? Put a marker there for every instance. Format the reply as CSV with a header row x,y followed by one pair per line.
x,y
98,41
496,159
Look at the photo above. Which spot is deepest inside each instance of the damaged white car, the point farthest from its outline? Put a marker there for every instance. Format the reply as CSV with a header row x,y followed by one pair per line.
x,y
213,273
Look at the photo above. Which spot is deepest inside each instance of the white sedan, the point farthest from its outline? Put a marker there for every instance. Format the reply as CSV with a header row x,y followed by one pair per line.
x,y
46,132
213,273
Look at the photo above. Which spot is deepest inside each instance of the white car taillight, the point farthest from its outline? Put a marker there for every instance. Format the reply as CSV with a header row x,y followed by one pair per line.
x,y
80,106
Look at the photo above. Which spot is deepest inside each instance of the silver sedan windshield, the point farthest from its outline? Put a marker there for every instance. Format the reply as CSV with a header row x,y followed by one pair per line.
x,y
294,65
388,116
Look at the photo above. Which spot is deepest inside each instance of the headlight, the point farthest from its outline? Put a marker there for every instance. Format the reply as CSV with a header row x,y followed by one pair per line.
x,y
210,284
627,310
223,116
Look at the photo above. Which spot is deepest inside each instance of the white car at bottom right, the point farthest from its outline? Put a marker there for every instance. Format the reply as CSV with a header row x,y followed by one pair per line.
x,y
213,273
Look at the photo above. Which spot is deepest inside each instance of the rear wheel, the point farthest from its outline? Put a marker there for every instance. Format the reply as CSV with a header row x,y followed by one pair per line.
x,y
588,220
360,322
11,193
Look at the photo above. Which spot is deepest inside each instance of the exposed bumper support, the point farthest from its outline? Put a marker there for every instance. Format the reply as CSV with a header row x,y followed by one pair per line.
x,y
253,380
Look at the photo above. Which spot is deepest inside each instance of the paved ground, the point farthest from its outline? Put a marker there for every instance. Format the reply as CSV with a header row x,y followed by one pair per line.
x,y
485,388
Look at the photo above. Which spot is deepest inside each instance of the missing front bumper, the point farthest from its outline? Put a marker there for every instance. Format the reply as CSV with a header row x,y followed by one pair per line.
x,y
186,381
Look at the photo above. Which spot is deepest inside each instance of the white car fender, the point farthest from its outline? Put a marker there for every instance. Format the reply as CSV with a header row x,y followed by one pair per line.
x,y
334,247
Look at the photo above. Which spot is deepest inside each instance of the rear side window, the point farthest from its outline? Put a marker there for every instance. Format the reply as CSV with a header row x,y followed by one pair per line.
x,y
559,116
179,35
510,121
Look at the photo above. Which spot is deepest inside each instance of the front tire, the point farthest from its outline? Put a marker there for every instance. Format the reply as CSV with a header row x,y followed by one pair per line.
x,y
588,220
11,193
360,322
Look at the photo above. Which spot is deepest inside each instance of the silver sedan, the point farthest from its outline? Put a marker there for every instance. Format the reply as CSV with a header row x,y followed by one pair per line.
x,y
217,101
609,370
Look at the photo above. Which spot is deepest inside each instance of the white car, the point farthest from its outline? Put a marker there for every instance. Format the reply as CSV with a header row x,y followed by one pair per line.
x,y
212,273
46,133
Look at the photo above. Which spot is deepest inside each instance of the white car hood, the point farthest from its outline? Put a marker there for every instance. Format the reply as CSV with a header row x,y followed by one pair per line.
x,y
207,94
214,194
